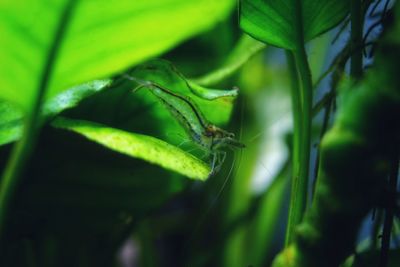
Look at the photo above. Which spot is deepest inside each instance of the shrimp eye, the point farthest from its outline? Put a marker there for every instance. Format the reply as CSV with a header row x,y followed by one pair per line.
x,y
211,128
209,132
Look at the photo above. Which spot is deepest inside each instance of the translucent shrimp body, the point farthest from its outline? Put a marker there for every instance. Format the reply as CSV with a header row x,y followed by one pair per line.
x,y
209,137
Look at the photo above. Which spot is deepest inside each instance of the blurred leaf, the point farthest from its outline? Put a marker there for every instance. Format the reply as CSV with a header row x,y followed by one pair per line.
x,y
139,146
265,223
267,122
274,22
245,49
11,118
78,41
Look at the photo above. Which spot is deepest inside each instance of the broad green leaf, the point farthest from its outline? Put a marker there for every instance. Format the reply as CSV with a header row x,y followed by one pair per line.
x,y
274,21
243,51
53,45
11,118
139,146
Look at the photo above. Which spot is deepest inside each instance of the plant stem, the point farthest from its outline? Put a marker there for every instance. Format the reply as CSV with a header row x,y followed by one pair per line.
x,y
15,165
297,123
378,219
299,191
357,22
389,213
304,153
22,151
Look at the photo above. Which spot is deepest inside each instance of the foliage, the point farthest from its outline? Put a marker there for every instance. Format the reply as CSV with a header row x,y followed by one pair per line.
x,y
93,167
354,153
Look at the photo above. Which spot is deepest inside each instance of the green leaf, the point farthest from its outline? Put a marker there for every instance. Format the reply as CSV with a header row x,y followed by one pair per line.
x,y
11,118
58,44
139,146
275,21
72,97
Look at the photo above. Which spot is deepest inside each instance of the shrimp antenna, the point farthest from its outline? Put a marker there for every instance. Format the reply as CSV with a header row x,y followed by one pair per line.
x,y
142,83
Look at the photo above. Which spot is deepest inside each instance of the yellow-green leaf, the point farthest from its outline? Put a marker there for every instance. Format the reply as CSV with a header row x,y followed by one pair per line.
x,y
139,146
